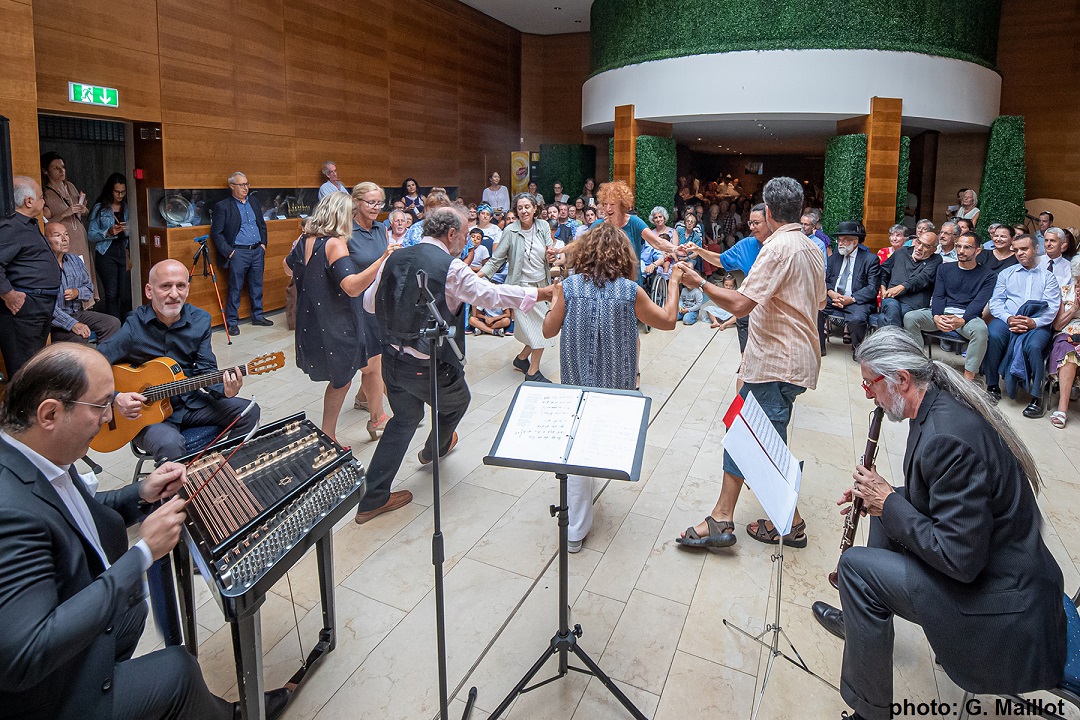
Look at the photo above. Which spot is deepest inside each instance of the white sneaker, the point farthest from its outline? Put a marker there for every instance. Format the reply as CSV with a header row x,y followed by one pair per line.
x,y
574,546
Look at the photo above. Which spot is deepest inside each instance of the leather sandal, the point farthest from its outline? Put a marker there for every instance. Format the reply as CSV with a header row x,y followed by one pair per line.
x,y
796,538
720,535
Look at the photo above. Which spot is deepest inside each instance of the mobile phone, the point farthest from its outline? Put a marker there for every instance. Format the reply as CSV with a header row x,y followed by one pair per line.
x,y
82,198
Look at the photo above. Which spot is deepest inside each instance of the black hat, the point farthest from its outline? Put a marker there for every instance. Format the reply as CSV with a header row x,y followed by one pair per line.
x,y
851,227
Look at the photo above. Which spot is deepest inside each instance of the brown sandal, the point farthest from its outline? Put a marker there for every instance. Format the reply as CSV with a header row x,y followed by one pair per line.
x,y
720,535
796,538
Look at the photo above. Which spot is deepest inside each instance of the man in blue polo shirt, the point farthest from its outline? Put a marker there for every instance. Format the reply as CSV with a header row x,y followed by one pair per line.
x,y
239,233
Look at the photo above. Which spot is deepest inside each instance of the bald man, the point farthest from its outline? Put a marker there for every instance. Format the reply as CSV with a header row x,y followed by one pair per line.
x,y
29,278
71,321
169,327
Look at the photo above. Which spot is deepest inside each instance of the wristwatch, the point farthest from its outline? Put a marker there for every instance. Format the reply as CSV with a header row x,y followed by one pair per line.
x,y
703,282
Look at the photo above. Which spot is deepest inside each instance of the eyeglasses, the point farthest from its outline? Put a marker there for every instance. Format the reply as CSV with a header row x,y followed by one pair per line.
x,y
374,204
240,184
104,408
867,386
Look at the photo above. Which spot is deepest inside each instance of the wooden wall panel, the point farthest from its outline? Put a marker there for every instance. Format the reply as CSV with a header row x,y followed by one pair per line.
x,y
960,160
18,85
131,24
882,161
1039,62
198,157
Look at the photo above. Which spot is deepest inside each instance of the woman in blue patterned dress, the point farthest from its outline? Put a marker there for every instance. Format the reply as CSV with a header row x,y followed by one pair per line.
x,y
598,309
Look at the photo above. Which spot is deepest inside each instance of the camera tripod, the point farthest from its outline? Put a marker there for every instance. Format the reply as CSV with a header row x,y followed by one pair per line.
x,y
208,270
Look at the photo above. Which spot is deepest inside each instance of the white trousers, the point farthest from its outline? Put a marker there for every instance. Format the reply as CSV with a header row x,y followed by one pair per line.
x,y
579,500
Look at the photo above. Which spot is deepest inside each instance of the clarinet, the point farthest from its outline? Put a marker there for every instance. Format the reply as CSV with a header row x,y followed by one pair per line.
x,y
851,522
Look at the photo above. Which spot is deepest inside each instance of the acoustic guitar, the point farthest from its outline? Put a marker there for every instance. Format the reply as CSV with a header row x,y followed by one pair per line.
x,y
158,380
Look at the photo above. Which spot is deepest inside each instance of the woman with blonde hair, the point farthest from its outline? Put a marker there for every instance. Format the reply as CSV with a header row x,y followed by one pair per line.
x,y
598,309
328,331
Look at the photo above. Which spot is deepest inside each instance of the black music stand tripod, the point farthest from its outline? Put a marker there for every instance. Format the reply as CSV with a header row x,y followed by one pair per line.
x,y
203,253
436,333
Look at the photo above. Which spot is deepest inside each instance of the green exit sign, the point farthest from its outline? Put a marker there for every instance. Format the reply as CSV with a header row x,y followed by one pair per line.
x,y
93,95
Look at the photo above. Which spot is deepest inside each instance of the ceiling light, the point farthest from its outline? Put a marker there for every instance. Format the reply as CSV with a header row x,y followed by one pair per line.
x,y
578,22
558,8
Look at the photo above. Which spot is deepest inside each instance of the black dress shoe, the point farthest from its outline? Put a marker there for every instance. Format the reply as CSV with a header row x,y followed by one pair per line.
x,y
275,701
1035,409
994,392
830,618
233,330
262,322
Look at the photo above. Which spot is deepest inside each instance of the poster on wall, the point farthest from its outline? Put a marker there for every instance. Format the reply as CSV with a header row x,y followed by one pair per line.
x,y
519,172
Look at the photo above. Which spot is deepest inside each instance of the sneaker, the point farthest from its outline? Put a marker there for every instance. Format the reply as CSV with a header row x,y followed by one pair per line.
x,y
522,364
574,546
536,377
501,332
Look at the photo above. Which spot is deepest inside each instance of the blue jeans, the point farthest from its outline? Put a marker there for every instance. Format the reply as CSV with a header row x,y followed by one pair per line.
x,y
894,311
688,318
246,265
777,399
1036,348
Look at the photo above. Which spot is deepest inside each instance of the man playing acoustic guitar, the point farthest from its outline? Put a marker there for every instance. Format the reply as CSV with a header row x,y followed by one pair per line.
x,y
169,327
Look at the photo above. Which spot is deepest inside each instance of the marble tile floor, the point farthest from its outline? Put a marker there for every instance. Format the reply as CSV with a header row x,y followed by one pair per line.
x,y
652,613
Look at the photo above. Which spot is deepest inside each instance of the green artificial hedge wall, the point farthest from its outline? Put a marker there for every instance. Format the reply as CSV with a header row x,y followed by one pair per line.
x,y
656,175
569,164
626,32
1001,197
845,180
902,175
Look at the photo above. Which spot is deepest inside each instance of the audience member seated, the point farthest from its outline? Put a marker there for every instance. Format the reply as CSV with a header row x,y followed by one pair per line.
x,y
1025,302
907,279
1056,245
690,302
653,261
961,292
1065,351
170,327
71,322
897,240
1002,255
947,241
492,321
968,209
481,252
436,198
1046,221
811,225
333,182
852,278
718,316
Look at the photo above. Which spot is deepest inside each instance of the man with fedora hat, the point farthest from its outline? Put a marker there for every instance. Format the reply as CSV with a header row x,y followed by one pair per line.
x,y
852,277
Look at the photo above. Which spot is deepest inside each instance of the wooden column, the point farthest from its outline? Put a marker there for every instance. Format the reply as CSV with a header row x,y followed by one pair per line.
x,y
882,166
627,130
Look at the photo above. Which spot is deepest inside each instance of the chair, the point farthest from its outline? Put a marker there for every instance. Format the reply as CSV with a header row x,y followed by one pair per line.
x,y
834,324
159,577
1069,688
950,337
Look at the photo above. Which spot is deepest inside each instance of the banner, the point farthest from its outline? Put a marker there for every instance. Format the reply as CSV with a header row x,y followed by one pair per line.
x,y
519,172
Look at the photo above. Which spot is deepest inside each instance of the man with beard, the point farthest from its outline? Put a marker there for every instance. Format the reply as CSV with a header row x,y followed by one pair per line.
x,y
956,549
852,277
907,279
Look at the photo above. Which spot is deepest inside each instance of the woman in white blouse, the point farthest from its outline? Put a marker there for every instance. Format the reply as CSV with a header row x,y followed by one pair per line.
x,y
496,195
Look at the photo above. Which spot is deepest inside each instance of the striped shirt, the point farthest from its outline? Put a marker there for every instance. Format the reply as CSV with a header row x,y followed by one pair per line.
x,y
787,282
74,275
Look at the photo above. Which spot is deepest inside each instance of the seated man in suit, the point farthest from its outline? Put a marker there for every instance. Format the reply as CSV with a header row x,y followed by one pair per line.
x,y
169,327
1025,302
956,548
239,233
851,281
71,322
961,291
907,278
71,592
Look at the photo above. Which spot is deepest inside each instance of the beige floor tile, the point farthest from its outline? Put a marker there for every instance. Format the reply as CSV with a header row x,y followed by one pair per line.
x,y
599,704
617,573
644,641
697,688
525,538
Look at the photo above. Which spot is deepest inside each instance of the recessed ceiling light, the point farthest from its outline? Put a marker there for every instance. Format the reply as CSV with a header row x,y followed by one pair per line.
x,y
699,138
578,22
558,8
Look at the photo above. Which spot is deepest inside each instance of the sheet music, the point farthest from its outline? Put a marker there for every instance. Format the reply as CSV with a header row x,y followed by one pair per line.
x,y
539,428
607,432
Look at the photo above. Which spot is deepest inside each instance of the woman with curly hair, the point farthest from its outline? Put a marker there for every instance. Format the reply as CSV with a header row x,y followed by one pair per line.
x,y
616,201
598,309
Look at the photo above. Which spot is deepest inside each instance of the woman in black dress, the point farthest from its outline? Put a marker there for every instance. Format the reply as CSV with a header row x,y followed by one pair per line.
x,y
329,337
367,248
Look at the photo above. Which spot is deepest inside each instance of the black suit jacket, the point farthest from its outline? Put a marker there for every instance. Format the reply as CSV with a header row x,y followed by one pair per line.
x,y
225,224
990,601
58,604
865,278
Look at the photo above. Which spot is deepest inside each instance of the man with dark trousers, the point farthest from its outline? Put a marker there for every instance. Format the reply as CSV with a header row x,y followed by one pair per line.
x,y
397,301
955,549
29,278
239,233
852,277
907,278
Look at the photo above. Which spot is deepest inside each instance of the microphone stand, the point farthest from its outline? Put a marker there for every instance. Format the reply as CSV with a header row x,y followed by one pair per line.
x,y
436,333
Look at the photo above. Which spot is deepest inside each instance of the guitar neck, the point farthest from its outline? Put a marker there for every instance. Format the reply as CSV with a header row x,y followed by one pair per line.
x,y
179,387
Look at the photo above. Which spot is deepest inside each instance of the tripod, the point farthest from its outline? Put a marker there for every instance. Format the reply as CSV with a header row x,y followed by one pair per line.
x,y
565,640
208,269
773,646
436,333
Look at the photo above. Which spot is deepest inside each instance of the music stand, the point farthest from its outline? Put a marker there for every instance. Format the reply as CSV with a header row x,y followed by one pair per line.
x,y
526,417
764,441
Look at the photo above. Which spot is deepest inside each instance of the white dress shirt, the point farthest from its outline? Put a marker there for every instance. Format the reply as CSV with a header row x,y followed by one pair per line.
x,y
1062,269
1017,284
59,477
846,290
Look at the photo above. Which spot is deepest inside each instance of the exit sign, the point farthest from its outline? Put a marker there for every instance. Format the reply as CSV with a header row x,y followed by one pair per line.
x,y
93,95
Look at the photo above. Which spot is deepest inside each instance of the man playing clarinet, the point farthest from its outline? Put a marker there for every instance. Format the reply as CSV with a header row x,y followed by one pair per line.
x,y
955,550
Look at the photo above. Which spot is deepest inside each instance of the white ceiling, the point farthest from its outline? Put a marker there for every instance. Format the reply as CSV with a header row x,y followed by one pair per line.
x,y
539,17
